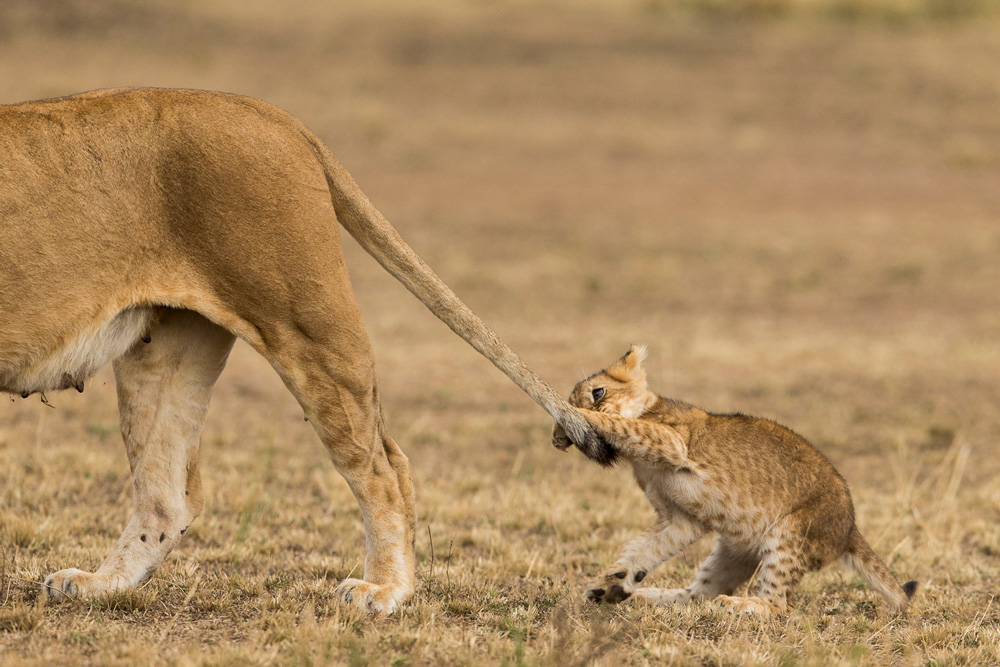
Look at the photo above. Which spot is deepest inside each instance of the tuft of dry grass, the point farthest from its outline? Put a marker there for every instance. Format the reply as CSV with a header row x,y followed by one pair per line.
x,y
125,602
799,216
19,618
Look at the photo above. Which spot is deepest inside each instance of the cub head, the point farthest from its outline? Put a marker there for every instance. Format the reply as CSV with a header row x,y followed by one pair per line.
x,y
619,389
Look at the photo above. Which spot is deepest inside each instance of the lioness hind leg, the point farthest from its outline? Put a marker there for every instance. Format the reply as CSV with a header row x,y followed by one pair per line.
x,y
388,501
326,361
163,392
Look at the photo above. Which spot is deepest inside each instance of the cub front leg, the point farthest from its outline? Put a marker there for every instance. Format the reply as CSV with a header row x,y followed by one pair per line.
x,y
665,539
163,393
726,568
638,440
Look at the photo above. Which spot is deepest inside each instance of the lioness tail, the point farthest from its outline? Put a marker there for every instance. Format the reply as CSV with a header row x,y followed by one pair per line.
x,y
364,222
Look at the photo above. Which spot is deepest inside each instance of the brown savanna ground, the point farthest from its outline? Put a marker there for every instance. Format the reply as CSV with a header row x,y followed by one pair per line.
x,y
795,204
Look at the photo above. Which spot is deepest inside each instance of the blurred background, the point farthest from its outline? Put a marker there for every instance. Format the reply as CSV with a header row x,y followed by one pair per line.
x,y
794,203
777,194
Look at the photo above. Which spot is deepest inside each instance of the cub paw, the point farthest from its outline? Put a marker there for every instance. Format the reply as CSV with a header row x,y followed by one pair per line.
x,y
663,596
73,583
614,587
374,599
559,438
755,605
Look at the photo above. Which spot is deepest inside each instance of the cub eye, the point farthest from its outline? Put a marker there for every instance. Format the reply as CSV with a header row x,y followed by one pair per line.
x,y
597,394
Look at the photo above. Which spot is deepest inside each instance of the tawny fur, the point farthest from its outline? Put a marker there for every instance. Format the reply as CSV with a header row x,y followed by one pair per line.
x,y
149,228
779,507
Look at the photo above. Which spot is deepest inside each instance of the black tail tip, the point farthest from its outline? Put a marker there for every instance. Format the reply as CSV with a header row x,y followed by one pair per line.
x,y
597,449
910,587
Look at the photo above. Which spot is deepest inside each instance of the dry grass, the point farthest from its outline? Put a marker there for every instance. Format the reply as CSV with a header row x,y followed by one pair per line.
x,y
799,216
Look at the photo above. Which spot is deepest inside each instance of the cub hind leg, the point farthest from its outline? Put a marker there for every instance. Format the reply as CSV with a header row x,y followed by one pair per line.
x,y
164,389
782,565
721,573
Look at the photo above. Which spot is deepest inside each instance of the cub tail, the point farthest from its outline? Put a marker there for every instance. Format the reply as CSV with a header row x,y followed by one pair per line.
x,y
860,557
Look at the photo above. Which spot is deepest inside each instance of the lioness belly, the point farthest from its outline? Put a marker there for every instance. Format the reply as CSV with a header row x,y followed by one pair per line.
x,y
78,358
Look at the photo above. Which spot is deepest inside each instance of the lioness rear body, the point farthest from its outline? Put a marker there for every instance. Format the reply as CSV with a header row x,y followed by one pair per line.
x,y
149,228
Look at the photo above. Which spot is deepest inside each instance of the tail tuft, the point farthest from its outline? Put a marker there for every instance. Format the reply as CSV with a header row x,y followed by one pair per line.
x,y
573,429
910,587
600,451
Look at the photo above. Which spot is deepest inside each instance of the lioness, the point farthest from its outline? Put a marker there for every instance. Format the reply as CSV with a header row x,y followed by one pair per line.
x,y
149,228
779,506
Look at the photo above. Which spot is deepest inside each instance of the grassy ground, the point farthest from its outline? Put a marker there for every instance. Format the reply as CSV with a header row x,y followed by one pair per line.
x,y
796,208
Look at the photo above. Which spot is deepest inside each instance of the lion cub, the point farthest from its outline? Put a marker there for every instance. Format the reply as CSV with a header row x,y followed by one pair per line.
x,y
779,507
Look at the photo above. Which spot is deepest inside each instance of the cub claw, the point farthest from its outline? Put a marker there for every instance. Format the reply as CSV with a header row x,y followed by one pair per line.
x,y
616,594
609,590
593,446
559,438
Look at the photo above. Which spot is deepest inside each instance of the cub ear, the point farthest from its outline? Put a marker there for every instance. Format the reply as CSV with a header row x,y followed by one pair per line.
x,y
631,363
638,353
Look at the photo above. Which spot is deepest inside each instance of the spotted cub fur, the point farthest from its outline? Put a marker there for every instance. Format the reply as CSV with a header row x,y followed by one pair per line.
x,y
779,507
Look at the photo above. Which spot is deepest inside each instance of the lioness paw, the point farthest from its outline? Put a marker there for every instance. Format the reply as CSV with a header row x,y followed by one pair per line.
x,y
374,599
73,583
